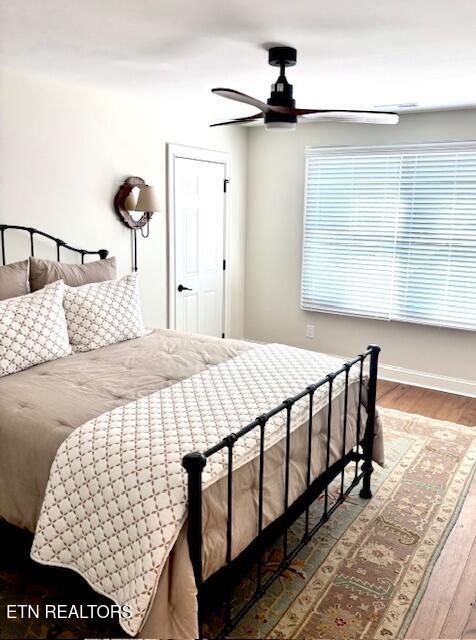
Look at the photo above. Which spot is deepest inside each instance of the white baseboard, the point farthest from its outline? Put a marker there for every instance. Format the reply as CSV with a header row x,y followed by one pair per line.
x,y
435,381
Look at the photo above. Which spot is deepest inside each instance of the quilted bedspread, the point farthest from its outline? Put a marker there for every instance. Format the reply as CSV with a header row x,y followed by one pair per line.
x,y
116,496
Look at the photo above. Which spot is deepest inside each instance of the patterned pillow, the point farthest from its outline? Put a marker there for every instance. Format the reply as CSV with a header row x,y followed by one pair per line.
x,y
103,313
33,329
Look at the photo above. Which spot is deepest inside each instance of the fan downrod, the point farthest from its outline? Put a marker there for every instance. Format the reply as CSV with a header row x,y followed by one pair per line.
x,y
282,56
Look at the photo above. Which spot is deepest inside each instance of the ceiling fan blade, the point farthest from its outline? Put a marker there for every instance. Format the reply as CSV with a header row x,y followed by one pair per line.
x,y
343,115
239,120
231,94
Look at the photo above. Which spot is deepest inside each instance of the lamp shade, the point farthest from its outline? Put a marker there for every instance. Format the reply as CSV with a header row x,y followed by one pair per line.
x,y
147,200
130,202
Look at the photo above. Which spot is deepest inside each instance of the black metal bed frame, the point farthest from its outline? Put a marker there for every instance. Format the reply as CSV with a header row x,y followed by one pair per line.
x,y
102,253
195,462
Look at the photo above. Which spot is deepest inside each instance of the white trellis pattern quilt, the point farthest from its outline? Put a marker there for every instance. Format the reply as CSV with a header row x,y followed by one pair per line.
x,y
116,497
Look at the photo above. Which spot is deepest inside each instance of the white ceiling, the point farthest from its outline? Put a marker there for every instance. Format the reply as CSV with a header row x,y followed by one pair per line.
x,y
351,53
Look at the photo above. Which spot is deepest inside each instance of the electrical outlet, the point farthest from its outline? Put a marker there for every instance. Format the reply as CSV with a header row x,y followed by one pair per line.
x,y
309,331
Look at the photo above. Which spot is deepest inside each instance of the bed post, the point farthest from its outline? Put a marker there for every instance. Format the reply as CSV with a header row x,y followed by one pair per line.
x,y
368,442
194,463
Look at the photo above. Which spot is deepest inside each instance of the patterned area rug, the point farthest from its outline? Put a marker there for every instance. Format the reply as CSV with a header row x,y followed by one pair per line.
x,y
362,575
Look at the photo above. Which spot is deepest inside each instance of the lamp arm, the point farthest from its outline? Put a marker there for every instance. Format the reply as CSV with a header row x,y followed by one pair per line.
x,y
148,215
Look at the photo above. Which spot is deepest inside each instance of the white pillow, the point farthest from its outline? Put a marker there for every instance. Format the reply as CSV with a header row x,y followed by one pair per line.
x,y
103,313
33,329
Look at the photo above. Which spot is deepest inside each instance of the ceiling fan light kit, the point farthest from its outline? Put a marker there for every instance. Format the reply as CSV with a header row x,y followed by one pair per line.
x,y
279,126
279,112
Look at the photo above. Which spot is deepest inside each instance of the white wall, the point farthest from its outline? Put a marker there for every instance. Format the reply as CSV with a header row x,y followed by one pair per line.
x,y
273,262
64,150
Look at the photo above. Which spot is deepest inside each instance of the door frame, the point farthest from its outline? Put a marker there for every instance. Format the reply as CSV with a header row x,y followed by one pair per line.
x,y
205,155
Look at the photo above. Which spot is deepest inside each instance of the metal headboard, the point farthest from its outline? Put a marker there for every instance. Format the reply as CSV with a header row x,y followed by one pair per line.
x,y
102,253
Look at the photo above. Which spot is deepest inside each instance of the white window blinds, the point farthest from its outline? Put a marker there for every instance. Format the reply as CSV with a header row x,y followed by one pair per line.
x,y
390,232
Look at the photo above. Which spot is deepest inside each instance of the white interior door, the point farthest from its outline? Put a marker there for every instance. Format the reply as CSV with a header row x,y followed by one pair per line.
x,y
199,237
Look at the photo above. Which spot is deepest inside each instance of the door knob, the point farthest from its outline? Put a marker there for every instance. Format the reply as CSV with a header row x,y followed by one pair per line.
x,y
182,288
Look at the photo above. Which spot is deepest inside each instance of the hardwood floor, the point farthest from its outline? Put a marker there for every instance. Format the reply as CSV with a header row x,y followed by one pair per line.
x,y
448,607
434,404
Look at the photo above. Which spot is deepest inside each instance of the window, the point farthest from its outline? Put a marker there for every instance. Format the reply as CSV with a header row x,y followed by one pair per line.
x,y
390,233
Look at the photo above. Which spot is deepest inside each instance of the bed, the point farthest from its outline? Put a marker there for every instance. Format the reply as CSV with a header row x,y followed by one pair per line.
x,y
294,449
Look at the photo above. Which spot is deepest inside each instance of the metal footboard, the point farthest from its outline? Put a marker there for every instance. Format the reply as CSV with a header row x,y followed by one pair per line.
x,y
195,463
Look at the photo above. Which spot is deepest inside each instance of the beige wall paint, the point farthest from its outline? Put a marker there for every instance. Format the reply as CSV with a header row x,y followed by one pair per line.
x,y
273,249
64,149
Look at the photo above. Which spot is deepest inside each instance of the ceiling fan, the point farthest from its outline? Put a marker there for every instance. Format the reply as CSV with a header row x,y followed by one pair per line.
x,y
279,111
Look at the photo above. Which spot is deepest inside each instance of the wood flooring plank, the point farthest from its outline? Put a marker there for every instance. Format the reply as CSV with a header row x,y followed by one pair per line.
x,y
463,601
410,399
469,632
468,415
447,575
384,387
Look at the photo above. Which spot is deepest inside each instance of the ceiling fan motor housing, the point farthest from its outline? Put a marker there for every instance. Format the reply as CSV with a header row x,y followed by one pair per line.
x,y
281,96
273,116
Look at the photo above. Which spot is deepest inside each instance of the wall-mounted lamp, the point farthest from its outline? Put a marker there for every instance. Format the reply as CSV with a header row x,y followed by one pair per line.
x,y
134,212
